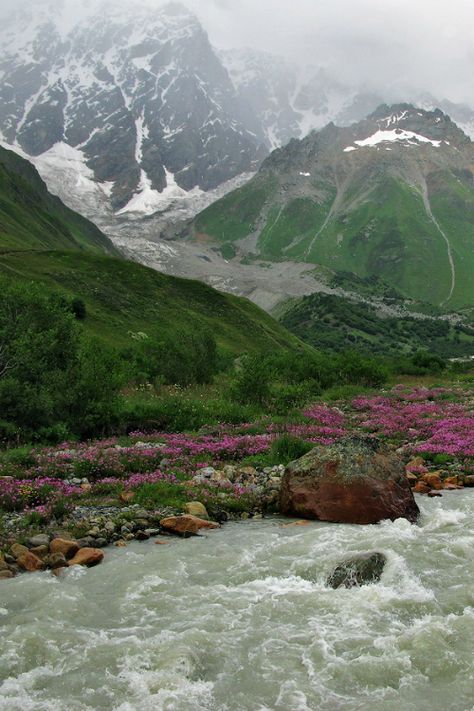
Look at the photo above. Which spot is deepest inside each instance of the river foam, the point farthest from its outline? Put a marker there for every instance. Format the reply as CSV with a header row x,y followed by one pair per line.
x,y
242,620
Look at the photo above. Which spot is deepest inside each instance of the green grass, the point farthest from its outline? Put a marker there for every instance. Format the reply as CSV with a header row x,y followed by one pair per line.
x,y
296,223
234,216
32,218
123,297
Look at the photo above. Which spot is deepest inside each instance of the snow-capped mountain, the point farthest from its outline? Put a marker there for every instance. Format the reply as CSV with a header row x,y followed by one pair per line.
x,y
285,101
138,102
391,196
128,111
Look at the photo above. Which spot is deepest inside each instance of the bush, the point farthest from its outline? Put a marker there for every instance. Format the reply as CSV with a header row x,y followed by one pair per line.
x,y
180,412
185,359
288,448
53,381
251,385
285,397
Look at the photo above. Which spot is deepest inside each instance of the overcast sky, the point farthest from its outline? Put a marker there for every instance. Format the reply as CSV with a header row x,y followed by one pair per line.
x,y
424,43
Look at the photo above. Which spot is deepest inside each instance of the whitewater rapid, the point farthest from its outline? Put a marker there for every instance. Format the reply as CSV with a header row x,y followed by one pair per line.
x,y
242,620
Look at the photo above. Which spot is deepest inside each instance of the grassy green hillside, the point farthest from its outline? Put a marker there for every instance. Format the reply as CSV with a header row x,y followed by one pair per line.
x,y
330,322
123,297
401,210
32,218
43,241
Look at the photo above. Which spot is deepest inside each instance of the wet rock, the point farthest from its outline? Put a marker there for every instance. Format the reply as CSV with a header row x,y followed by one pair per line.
x,y
433,493
221,516
142,535
356,480
452,480
120,544
421,487
433,480
63,546
57,560
30,562
185,525
40,551
17,550
152,531
361,570
6,574
101,542
42,539
195,508
469,480
88,557
86,542
3,563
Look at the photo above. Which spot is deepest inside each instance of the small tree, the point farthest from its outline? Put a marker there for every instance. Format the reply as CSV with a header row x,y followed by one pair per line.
x,y
252,382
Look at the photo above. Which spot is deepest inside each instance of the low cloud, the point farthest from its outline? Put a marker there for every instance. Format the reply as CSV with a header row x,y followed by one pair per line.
x,y
426,44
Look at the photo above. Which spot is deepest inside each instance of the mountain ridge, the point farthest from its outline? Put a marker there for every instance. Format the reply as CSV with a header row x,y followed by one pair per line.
x,y
376,197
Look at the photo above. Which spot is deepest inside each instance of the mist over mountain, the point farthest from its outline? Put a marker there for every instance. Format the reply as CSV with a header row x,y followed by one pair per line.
x,y
129,108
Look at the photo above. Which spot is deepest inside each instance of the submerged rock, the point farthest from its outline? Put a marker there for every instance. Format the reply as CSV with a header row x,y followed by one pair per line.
x,y
360,570
355,480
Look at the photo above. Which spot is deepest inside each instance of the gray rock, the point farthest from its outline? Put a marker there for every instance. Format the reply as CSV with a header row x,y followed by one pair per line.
x,y
42,539
86,542
207,472
360,570
142,535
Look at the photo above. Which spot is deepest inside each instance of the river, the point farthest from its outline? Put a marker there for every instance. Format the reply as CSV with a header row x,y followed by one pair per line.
x,y
241,620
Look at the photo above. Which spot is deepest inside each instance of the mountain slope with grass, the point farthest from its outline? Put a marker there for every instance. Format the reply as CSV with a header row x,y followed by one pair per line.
x,y
123,298
391,196
32,218
43,241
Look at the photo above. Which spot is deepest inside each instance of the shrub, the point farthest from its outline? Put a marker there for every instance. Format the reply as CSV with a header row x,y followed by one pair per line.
x,y
251,385
288,448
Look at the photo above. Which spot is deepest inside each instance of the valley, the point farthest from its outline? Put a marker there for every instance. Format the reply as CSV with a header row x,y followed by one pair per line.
x,y
236,356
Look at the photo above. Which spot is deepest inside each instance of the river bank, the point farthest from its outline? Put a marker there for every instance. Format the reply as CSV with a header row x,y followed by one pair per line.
x,y
242,618
118,490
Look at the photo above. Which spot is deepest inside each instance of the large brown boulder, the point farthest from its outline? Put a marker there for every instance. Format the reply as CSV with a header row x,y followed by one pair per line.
x,y
355,480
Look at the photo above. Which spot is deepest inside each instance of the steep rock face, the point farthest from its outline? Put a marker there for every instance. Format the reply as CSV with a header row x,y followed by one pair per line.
x,y
353,481
391,196
141,95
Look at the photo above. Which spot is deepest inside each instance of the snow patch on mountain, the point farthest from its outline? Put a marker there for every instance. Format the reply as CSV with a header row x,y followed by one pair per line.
x,y
147,201
397,135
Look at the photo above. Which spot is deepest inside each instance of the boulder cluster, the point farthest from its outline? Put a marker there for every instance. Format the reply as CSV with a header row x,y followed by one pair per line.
x,y
432,483
265,483
58,551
